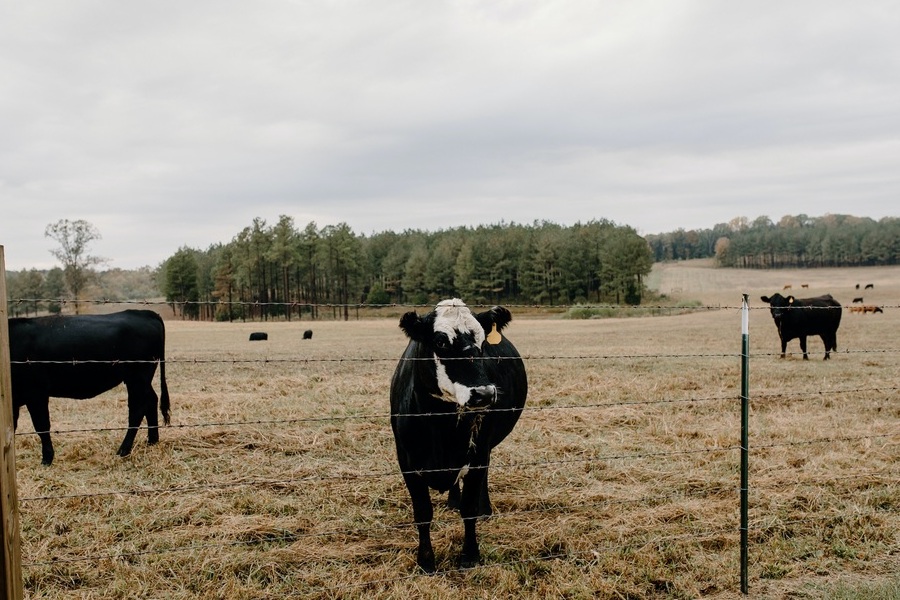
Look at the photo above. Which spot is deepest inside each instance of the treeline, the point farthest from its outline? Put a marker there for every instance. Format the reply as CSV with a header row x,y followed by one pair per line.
x,y
795,241
280,271
33,291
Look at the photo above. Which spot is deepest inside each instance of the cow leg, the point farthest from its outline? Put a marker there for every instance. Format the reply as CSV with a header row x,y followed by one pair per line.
x,y
136,412
469,509
40,419
783,347
152,415
453,497
803,347
423,513
484,499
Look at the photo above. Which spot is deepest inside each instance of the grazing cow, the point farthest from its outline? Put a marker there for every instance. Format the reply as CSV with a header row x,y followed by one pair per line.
x,y
787,286
457,392
804,285
84,356
857,300
856,309
259,336
870,286
871,308
802,317
307,335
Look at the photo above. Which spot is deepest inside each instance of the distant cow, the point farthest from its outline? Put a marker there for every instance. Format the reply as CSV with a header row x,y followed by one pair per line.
x,y
857,300
802,317
259,336
307,335
84,356
870,308
856,309
787,286
870,286
457,392
857,286
804,285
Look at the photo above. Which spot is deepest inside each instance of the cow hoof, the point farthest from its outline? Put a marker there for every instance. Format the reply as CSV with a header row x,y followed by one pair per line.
x,y
123,452
425,561
47,461
468,561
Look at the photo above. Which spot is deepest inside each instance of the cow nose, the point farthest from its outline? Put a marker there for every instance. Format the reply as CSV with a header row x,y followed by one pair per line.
x,y
482,396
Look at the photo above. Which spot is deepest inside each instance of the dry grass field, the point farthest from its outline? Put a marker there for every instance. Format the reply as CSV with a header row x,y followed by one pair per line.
x,y
278,478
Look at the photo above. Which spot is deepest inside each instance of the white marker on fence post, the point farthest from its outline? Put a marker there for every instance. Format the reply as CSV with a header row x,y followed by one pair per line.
x,y
745,438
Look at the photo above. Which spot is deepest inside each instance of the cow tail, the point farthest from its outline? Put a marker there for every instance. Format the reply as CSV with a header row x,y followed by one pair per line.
x,y
164,392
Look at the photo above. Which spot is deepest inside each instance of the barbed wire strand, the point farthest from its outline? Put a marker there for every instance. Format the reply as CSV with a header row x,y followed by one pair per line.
x,y
401,305
526,409
358,359
294,481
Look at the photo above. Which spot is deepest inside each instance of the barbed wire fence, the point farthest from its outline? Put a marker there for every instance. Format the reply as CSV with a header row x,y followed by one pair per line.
x,y
761,524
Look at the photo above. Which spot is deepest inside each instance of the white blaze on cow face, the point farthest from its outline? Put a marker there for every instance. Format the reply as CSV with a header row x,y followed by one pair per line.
x,y
453,318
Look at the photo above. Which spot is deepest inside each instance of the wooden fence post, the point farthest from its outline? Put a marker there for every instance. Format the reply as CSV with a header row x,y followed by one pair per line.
x,y
10,545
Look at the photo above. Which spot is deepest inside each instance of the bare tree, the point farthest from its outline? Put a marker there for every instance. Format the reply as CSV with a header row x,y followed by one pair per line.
x,y
74,237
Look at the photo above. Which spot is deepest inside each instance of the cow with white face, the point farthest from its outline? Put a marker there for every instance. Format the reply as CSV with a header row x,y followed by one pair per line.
x,y
457,392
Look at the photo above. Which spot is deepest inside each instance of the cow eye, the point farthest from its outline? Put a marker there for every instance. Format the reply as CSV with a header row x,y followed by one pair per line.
x,y
442,343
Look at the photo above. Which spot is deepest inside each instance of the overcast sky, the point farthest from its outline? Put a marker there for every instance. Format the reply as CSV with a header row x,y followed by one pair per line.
x,y
172,123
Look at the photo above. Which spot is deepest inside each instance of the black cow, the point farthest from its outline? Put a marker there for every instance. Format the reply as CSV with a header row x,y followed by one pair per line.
x,y
457,392
857,300
259,336
870,286
84,356
307,335
802,317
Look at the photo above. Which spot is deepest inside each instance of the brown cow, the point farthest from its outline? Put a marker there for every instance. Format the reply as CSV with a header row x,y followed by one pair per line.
x,y
871,308
804,285
787,286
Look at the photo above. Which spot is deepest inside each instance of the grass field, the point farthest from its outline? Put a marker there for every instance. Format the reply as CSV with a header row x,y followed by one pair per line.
x,y
278,477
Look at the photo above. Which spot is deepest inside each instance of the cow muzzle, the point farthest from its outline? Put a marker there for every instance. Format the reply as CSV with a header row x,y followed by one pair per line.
x,y
483,396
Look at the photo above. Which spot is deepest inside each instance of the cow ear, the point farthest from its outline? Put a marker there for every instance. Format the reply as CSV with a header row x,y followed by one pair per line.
x,y
414,327
764,299
498,316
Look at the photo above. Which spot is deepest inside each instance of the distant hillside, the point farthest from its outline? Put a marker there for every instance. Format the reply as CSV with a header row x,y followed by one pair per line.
x,y
700,280
795,241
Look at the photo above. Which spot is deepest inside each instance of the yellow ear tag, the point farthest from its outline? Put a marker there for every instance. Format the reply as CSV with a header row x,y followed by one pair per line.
x,y
494,336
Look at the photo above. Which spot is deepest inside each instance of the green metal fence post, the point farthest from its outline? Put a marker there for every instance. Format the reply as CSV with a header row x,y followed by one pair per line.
x,y
745,439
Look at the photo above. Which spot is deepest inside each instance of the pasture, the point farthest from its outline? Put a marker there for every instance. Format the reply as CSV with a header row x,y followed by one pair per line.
x,y
278,476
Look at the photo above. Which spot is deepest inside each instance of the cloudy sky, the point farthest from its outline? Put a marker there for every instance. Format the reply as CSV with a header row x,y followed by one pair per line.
x,y
172,123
